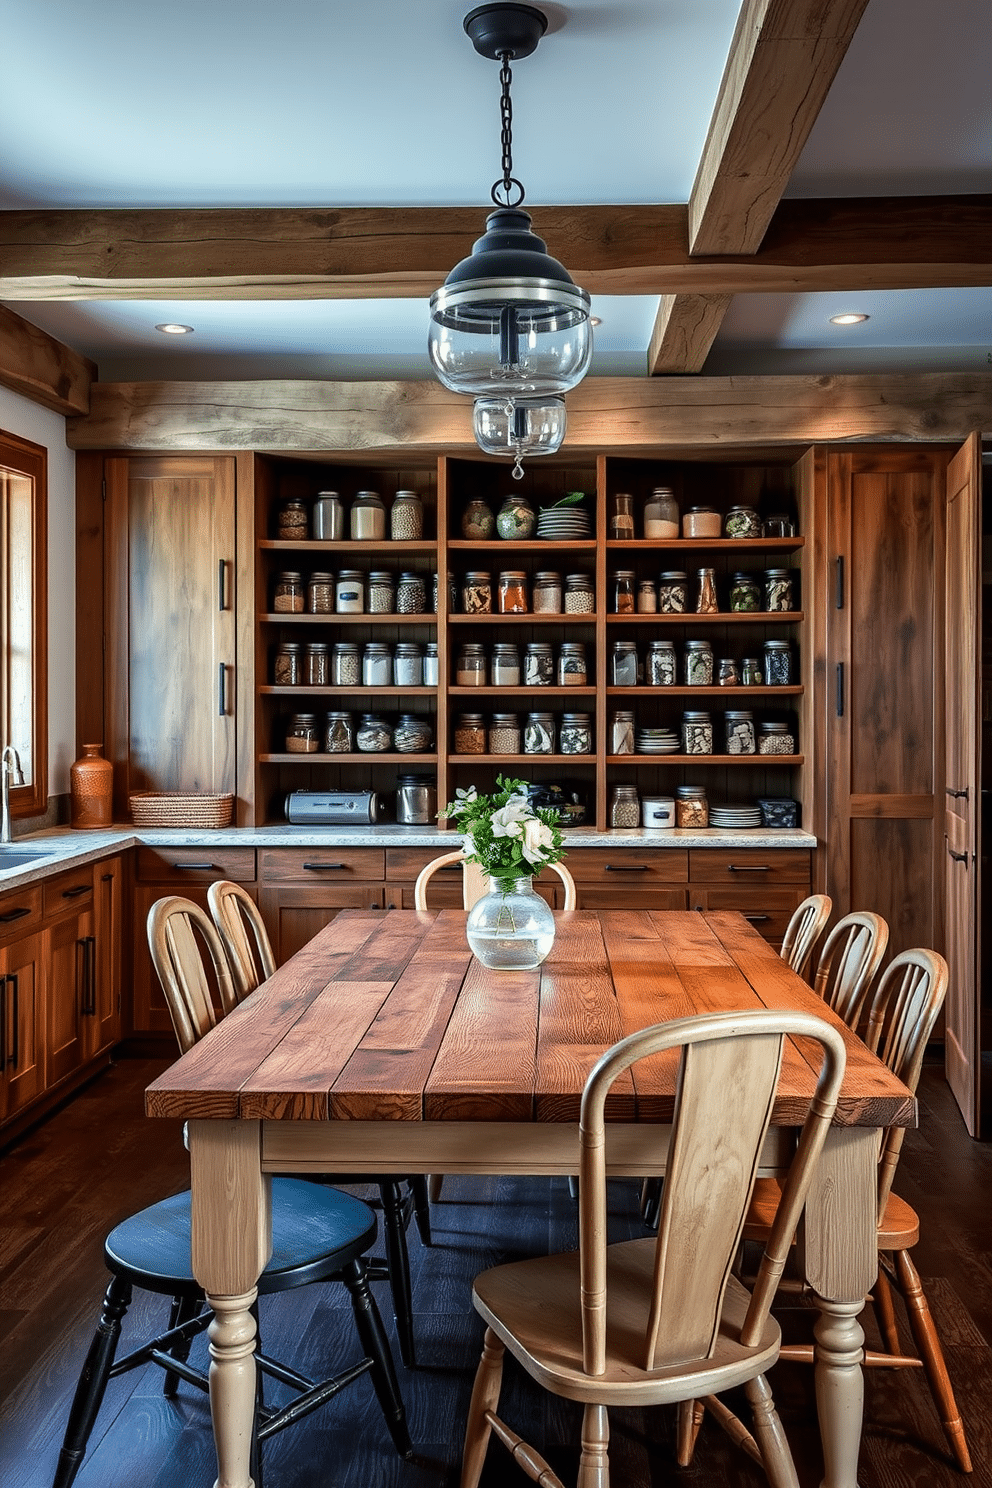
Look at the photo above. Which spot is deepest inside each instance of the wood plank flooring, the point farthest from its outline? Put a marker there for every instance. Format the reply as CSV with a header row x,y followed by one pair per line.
x,y
65,1185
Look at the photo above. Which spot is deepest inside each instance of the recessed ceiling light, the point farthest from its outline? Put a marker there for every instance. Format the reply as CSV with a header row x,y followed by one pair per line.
x,y
852,317
172,328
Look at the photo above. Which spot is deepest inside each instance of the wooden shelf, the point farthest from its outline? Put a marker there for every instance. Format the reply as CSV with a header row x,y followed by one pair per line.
x,y
704,759
713,544
523,759
718,617
330,693
331,617
729,693
526,619
493,694
365,757
379,552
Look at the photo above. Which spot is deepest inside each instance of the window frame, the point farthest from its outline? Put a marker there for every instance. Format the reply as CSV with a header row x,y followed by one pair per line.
x,y
30,460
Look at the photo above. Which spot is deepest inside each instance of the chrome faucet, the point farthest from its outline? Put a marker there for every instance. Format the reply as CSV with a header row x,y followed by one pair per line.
x,y
10,766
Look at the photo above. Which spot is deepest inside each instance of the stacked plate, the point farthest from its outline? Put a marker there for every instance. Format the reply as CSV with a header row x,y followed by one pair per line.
x,y
735,818
657,741
563,523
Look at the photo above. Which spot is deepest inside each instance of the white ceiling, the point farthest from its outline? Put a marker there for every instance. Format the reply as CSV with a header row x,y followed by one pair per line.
x,y
230,103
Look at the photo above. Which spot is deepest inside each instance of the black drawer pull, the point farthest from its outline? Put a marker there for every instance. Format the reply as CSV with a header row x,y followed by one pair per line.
x,y
195,867
323,867
15,914
75,893
627,868
15,1020
3,1022
749,867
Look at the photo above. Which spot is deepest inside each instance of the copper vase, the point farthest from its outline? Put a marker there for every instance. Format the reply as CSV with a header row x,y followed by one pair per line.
x,y
91,783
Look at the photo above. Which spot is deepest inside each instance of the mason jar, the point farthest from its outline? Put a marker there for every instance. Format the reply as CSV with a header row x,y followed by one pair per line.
x,y
288,597
339,736
701,521
293,521
350,592
622,518
539,734
625,806
647,597
775,738
287,669
706,600
691,806
301,735
575,734
547,593
373,735
346,665
778,664
470,734
512,592
624,664
506,665
539,664
778,590
368,518
745,593
406,517
697,733
408,665
470,667
673,592
328,517
432,676
728,673
752,674
660,670
377,665
661,514
740,737
382,593
320,594
317,665
572,664
742,521
624,581
622,732
412,735
477,593
580,596
504,734
411,594
698,664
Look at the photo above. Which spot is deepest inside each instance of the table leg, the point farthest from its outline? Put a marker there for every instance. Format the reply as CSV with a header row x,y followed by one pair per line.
x,y
840,1255
232,1241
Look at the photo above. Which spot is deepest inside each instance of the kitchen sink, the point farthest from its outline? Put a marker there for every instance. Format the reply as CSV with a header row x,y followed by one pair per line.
x,y
17,857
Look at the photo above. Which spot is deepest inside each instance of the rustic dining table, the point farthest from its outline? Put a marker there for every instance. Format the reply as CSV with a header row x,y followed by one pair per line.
x,y
383,1045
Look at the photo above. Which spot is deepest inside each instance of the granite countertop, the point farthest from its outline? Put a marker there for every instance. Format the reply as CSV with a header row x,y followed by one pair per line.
x,y
64,848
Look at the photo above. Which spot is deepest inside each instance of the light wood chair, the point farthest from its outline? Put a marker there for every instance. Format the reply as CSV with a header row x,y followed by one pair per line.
x,y
662,1320
239,924
851,955
804,930
474,883
903,1012
183,943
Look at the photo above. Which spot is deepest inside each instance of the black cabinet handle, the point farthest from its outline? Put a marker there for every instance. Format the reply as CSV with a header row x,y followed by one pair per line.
x,y
221,584
749,868
627,868
959,795
840,689
15,1049
754,918
958,857
840,583
106,878
221,690
75,892
15,914
194,867
324,867
3,1022
88,1001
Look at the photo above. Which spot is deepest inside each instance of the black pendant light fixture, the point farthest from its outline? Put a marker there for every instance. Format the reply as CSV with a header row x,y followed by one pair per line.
x,y
509,327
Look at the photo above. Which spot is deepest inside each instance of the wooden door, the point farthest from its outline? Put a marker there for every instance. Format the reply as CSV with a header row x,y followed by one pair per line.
x,y
171,627
103,1026
72,959
962,797
22,1063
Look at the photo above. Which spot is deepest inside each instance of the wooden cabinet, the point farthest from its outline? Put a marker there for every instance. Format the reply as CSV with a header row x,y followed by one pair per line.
x,y
765,887
72,971
22,974
302,889
103,1027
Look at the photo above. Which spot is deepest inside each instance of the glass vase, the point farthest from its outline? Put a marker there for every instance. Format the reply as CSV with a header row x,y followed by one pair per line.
x,y
511,928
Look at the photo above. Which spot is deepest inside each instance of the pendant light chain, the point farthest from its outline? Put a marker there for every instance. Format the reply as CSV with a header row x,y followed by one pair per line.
x,y
506,141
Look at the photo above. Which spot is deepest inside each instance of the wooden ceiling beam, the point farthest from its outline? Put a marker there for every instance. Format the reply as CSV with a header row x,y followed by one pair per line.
x,y
684,330
859,243
40,368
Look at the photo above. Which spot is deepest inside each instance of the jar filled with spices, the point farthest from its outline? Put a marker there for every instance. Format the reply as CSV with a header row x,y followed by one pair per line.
x,y
432,676
575,734
778,590
625,806
470,667
728,674
698,664
478,522
580,596
778,664
539,734
320,594
477,593
673,593
706,600
505,665
504,734
539,664
740,737
751,672
287,670
624,582
411,594
339,736
377,665
624,664
515,518
572,664
647,597
742,521
412,735
547,593
697,733
512,592
346,665
661,664
382,593
373,734
288,597
775,738
470,734
368,517
745,593
406,517
350,592
661,514
622,732
293,521
301,735
408,665
622,518
701,521
317,665
691,806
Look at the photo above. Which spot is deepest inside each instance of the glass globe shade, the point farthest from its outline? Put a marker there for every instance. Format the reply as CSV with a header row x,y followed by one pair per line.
x,y
515,427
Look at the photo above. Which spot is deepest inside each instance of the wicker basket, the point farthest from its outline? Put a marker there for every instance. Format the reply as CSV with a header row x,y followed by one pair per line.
x,y
181,809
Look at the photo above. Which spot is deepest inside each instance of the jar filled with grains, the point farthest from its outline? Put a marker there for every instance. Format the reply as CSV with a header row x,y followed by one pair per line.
x,y
320,594
301,735
661,664
622,732
622,518
661,514
412,735
647,597
504,734
377,665
572,664
431,673
539,734
625,806
470,668
697,733
745,593
580,596
350,599
288,671
698,664
539,664
470,734
513,592
547,593
368,517
477,594
692,809
373,735
575,733
406,517
624,664
624,581
701,521
740,738
411,594
288,597
778,590
382,593
293,521
408,665
778,664
775,738
673,593
505,665
706,600
339,736
346,665
317,665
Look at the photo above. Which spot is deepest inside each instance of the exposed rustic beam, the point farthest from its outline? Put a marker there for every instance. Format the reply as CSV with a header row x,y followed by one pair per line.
x,y
35,364
684,331
411,421
861,243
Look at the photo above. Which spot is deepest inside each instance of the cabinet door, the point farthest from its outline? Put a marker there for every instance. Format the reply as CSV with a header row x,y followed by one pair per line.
x,y
768,910
103,1025
294,913
72,972
170,624
22,1073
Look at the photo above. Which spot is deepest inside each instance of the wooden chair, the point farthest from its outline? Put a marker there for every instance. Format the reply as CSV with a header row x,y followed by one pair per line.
x,y
851,955
662,1320
241,928
474,883
804,930
903,1012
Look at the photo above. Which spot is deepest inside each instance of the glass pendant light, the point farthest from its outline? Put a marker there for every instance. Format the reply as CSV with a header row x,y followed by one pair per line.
x,y
516,427
509,325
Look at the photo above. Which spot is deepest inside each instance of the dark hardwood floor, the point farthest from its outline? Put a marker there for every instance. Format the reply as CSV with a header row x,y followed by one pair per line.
x,y
65,1185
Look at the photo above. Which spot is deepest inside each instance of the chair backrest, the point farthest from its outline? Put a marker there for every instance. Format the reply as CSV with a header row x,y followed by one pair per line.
x,y
241,928
804,930
724,1096
474,882
903,1011
177,928
851,955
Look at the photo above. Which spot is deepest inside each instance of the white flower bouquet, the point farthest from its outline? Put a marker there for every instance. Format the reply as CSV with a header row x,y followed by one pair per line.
x,y
504,834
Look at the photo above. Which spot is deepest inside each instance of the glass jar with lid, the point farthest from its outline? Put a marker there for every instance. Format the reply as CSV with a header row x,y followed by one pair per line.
x,y
661,664
288,669
706,600
293,521
478,522
470,734
339,735
539,664
547,593
742,521
317,665
408,664
775,738
470,667
647,597
661,514
701,521
728,672
740,736
745,593
302,736
625,806
377,665
622,518
350,596
572,664
382,593
622,732
673,592
512,592
624,583
691,806
368,517
412,735
624,664
778,664
752,674
515,518
346,664
778,590
373,734
411,594
698,664
504,734
477,593
288,597
580,596
697,733
575,733
539,733
328,517
320,594
505,665
432,676
406,517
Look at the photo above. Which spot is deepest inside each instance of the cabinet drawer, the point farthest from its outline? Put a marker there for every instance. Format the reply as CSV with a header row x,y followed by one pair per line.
x,y
19,910
624,895
403,864
68,891
196,864
750,866
321,864
628,865
768,910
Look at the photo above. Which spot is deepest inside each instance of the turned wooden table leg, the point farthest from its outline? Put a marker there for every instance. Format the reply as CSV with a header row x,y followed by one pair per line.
x,y
232,1241
839,1389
